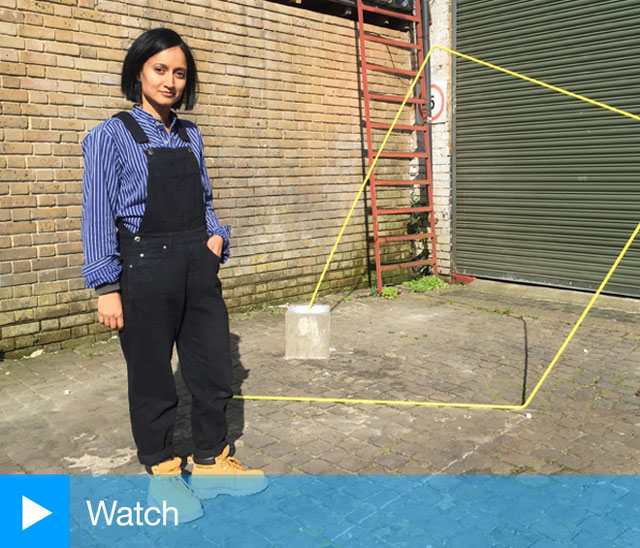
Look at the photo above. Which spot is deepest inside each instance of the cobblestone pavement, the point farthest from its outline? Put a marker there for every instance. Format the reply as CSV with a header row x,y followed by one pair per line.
x,y
66,412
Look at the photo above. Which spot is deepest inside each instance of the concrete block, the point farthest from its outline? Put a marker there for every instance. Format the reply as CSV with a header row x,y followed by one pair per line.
x,y
307,331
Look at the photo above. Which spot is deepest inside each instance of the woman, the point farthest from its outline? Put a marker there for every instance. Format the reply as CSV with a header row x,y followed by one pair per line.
x,y
153,246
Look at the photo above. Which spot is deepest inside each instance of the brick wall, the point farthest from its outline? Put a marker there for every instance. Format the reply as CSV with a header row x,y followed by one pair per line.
x,y
280,112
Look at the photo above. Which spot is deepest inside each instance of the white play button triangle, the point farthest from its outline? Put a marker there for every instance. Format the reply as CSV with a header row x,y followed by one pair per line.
x,y
32,512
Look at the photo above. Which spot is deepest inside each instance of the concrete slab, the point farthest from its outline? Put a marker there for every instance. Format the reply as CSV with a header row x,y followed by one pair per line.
x,y
307,331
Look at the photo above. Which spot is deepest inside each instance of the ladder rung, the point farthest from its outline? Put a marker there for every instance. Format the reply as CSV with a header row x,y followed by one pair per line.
x,y
399,43
404,155
406,265
377,125
407,237
401,183
394,99
390,13
421,209
392,70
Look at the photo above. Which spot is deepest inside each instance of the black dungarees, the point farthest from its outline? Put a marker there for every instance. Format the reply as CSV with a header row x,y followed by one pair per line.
x,y
171,293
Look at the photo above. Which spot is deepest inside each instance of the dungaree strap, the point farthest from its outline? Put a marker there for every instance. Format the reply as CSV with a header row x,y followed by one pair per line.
x,y
134,127
182,132
138,133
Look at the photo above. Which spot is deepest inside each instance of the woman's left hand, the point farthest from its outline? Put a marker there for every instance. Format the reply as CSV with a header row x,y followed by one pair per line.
x,y
215,244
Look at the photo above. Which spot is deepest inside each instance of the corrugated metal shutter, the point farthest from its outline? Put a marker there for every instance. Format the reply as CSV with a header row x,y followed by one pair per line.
x,y
547,188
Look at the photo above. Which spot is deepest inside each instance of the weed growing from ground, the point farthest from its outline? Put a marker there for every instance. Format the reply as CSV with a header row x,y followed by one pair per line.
x,y
426,283
389,292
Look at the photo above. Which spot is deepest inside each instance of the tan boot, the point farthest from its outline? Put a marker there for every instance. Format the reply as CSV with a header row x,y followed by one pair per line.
x,y
225,477
167,486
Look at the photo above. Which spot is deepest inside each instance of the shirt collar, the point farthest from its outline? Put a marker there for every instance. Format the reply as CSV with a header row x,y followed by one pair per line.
x,y
141,114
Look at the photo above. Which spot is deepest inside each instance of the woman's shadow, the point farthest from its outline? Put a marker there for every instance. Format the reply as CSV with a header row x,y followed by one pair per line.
x,y
182,442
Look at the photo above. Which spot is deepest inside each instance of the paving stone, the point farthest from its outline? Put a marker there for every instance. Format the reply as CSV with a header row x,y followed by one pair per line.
x,y
255,459
278,449
353,464
315,448
368,452
335,455
316,466
258,441
407,448
392,461
546,468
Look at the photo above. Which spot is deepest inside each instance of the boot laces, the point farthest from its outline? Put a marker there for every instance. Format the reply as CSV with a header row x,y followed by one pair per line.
x,y
231,463
178,483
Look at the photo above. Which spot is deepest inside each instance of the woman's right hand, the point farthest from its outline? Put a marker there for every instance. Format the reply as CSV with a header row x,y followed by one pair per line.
x,y
110,310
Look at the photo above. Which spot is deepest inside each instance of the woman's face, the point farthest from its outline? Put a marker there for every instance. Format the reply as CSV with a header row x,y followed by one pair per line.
x,y
163,77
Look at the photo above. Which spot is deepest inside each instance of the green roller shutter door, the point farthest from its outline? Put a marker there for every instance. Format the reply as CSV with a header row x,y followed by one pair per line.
x,y
547,187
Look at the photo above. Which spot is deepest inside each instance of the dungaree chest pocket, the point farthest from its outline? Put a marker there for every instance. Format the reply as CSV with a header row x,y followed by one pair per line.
x,y
174,190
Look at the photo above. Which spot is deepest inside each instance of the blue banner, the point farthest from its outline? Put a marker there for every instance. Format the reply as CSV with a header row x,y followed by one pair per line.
x,y
329,511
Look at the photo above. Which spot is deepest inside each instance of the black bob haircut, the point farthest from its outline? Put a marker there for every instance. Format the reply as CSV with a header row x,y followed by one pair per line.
x,y
147,45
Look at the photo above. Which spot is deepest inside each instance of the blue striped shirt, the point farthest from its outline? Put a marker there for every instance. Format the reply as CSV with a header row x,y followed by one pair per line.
x,y
115,186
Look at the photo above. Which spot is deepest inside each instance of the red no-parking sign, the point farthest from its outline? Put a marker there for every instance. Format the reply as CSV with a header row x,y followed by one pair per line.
x,y
438,102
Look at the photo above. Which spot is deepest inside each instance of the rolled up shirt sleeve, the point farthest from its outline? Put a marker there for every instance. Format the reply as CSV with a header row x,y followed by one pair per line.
x,y
213,224
100,183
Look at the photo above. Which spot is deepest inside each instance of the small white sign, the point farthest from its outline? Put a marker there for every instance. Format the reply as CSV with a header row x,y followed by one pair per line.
x,y
438,102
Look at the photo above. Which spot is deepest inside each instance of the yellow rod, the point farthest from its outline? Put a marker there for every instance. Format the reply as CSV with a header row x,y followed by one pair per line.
x,y
575,327
381,402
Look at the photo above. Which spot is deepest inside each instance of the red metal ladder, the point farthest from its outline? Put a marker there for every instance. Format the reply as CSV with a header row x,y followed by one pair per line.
x,y
365,37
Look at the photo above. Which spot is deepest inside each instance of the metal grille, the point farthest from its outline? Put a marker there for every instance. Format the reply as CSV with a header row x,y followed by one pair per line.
x,y
547,187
